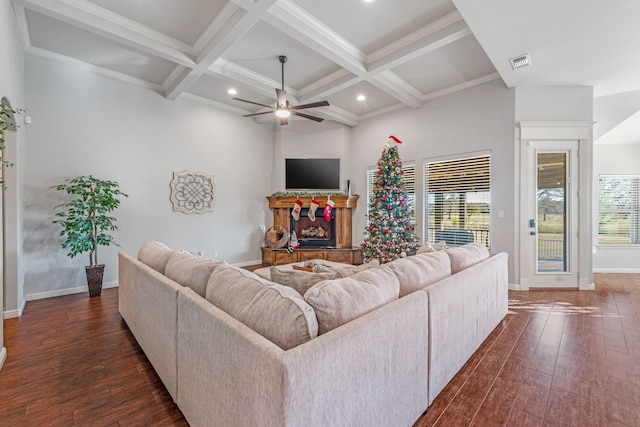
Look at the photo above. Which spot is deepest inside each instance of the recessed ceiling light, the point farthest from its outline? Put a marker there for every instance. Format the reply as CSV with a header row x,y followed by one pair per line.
x,y
367,1
361,97
232,91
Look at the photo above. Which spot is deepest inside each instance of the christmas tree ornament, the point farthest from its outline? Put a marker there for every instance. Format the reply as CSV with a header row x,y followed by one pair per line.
x,y
297,207
312,209
328,208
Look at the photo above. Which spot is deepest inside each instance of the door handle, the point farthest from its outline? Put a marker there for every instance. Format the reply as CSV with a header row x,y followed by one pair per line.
x,y
533,233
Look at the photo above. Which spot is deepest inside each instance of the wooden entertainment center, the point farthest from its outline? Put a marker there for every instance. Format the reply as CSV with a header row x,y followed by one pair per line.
x,y
343,250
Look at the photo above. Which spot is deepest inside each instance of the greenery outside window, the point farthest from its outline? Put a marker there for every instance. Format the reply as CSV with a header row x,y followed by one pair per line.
x,y
619,209
458,200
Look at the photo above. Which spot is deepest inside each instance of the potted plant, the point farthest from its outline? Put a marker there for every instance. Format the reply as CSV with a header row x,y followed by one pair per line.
x,y
86,222
6,122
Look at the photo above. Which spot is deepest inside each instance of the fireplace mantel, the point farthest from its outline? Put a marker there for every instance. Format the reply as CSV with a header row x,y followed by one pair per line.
x,y
343,205
348,202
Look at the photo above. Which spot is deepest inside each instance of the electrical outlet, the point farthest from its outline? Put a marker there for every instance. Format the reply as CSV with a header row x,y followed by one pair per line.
x,y
215,254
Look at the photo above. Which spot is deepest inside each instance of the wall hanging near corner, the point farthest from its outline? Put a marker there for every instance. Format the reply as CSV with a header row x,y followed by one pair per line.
x,y
192,192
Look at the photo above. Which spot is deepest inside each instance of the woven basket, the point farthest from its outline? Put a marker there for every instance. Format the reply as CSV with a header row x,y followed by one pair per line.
x,y
95,274
276,237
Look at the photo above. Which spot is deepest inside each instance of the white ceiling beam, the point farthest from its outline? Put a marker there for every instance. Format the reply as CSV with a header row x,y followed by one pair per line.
x,y
461,86
102,22
338,114
298,24
251,79
397,88
236,26
417,44
328,85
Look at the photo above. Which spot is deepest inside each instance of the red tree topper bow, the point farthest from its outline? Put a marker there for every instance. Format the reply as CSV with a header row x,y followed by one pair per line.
x,y
395,139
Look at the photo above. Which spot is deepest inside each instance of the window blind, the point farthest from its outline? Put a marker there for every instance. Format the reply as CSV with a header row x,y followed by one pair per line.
x,y
619,209
458,200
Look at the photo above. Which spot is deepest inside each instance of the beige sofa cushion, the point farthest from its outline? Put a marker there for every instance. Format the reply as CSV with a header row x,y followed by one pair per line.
x,y
465,256
339,301
276,312
345,270
190,270
155,255
417,271
301,281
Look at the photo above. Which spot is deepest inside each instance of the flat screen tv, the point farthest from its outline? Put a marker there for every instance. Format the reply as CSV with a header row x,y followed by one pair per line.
x,y
312,174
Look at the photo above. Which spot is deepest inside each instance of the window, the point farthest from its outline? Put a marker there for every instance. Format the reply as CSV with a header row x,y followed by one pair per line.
x,y
458,200
619,210
409,169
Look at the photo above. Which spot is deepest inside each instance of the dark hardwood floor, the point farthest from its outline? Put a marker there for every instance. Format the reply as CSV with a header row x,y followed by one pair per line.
x,y
559,358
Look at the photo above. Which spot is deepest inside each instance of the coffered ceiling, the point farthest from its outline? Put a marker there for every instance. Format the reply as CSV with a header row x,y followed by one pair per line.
x,y
398,54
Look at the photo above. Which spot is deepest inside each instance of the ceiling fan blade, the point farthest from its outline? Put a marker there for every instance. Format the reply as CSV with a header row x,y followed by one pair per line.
x,y
257,114
306,116
310,105
284,121
254,103
282,97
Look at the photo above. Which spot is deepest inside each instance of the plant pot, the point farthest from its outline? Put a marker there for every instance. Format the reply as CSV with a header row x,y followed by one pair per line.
x,y
94,279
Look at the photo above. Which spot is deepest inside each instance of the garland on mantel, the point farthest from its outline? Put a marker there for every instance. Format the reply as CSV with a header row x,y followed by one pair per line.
x,y
308,193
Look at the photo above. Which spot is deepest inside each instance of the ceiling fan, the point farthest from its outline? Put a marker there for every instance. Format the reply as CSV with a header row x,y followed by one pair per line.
x,y
283,109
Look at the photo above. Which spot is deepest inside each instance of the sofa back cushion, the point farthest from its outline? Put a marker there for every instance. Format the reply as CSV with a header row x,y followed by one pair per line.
x,y
155,255
301,281
417,271
339,301
190,270
276,312
467,255
345,270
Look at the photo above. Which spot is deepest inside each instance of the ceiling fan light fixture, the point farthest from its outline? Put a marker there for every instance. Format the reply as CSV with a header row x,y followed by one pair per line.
x,y
361,98
282,113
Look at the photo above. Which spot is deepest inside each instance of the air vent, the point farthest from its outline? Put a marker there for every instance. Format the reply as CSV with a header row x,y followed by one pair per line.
x,y
520,61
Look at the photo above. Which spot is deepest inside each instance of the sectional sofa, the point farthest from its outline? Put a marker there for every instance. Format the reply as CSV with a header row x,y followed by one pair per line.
x,y
371,347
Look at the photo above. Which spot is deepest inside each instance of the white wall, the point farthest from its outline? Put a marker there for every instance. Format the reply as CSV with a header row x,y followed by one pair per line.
x,y
614,159
307,139
85,123
12,86
476,119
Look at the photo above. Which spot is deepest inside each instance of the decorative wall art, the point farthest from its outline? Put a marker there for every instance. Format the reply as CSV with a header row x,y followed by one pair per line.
x,y
192,192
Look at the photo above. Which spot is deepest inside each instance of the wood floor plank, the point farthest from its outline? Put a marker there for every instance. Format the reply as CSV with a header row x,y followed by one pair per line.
x,y
560,358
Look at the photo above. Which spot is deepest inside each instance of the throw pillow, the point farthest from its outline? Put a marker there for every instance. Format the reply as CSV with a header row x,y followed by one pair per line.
x,y
339,301
155,255
345,270
416,272
467,255
275,311
301,281
191,270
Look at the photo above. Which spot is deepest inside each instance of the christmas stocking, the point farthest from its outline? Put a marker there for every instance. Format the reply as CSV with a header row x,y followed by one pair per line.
x,y
312,209
297,206
328,209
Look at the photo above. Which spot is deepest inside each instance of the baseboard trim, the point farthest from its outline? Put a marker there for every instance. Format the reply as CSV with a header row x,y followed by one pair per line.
x,y
514,287
246,263
3,356
11,314
68,291
616,270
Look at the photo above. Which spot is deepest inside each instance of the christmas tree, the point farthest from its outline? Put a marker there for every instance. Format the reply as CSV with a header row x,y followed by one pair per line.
x,y
390,232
